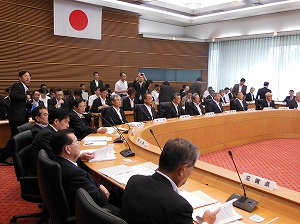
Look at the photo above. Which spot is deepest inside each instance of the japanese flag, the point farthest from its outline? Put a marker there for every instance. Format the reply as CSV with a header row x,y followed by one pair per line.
x,y
77,20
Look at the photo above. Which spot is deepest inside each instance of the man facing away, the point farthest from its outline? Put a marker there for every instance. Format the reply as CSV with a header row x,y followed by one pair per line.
x,y
155,199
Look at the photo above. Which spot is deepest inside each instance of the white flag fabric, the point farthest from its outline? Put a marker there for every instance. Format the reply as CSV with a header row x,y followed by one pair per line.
x,y
77,20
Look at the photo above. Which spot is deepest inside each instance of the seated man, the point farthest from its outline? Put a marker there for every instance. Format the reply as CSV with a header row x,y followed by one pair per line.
x,y
215,105
187,98
129,101
175,108
40,117
239,104
155,199
222,96
79,125
35,100
114,115
290,96
267,102
100,102
66,147
58,101
195,108
295,102
250,95
146,112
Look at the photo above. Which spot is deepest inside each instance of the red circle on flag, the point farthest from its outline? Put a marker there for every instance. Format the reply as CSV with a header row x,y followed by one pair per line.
x,y
78,20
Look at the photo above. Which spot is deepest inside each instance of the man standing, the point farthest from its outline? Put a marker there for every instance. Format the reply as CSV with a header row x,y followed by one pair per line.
x,y
241,87
146,112
121,86
141,86
155,94
261,93
155,199
166,92
239,104
96,82
196,86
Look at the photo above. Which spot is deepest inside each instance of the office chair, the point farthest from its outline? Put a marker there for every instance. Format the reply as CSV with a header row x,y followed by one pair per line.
x,y
21,144
53,194
135,109
258,104
24,127
103,111
87,211
162,108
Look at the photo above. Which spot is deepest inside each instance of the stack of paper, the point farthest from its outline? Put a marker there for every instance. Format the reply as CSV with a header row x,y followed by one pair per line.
x,y
102,154
95,140
198,198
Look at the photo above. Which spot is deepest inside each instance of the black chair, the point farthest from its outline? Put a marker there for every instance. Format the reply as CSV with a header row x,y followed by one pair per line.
x,y
21,144
25,127
162,108
87,211
258,104
53,194
135,108
103,111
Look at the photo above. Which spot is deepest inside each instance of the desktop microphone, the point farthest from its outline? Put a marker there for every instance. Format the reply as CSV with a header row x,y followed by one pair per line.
x,y
125,152
152,133
126,131
242,202
149,118
117,140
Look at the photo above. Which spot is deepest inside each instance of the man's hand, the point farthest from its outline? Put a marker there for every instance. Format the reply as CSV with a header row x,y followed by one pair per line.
x,y
101,130
86,156
210,217
105,191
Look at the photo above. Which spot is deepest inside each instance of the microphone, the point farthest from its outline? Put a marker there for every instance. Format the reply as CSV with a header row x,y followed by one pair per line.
x,y
125,152
117,140
149,118
126,132
242,202
152,133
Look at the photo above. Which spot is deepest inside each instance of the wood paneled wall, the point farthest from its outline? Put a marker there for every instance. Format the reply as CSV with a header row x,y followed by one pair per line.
x,y
27,42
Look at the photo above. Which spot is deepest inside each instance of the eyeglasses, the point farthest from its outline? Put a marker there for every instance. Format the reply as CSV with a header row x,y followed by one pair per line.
x,y
45,114
77,142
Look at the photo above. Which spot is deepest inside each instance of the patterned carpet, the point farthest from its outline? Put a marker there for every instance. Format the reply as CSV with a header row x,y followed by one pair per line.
x,y
276,159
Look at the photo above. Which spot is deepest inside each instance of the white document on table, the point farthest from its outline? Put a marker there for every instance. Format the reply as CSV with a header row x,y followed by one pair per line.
x,y
103,154
197,198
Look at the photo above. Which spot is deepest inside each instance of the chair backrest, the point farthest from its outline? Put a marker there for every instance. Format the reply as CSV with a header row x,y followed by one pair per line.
x,y
25,127
103,111
135,108
87,211
162,108
258,103
53,194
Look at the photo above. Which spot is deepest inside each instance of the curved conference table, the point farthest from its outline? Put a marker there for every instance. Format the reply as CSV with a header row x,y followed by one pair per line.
x,y
213,133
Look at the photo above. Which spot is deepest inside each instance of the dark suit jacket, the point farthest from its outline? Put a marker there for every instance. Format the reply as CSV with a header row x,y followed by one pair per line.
x,y
250,97
41,141
152,200
97,103
236,105
235,89
191,109
40,103
261,92
165,93
288,98
126,104
80,126
222,99
196,88
18,110
144,115
231,96
263,103
73,178
292,104
212,107
52,102
93,85
171,111
35,130
3,109
111,113
140,90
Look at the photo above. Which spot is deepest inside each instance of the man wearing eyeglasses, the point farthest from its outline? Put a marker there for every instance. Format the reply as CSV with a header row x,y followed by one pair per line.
x,y
40,117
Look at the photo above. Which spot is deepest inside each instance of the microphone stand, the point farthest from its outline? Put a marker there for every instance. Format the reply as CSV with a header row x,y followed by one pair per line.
x,y
152,133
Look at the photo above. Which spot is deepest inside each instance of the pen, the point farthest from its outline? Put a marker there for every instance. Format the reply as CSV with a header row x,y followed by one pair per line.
x,y
90,143
272,220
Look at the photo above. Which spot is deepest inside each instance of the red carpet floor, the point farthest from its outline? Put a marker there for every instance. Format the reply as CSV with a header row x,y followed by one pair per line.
x,y
11,202
276,159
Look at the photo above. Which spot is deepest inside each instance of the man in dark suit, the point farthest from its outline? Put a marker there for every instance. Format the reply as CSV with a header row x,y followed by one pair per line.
x,y
3,109
114,115
66,147
100,102
77,94
290,96
40,116
261,93
155,199
250,95
35,100
166,92
194,108
215,105
141,86
196,86
96,82
295,102
78,124
267,102
222,96
146,112
239,104
129,101
240,87
209,97
58,101
174,109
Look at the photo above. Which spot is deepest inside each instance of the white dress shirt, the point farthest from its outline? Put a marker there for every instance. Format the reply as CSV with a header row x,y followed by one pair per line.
x,y
121,85
91,99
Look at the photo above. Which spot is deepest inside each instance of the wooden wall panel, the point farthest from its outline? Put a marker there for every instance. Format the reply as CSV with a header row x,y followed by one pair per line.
x,y
165,47
165,61
9,31
47,5
111,28
121,17
8,51
136,45
8,12
35,17
136,59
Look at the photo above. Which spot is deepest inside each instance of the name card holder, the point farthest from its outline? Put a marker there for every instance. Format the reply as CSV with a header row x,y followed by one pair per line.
x,y
230,111
185,116
132,132
259,181
142,142
160,120
209,114
283,108
268,108
139,125
251,110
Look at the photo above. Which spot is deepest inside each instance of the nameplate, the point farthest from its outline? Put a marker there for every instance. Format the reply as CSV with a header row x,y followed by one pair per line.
x,y
268,108
209,114
283,108
259,181
132,132
160,120
230,111
139,125
251,110
185,116
142,142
